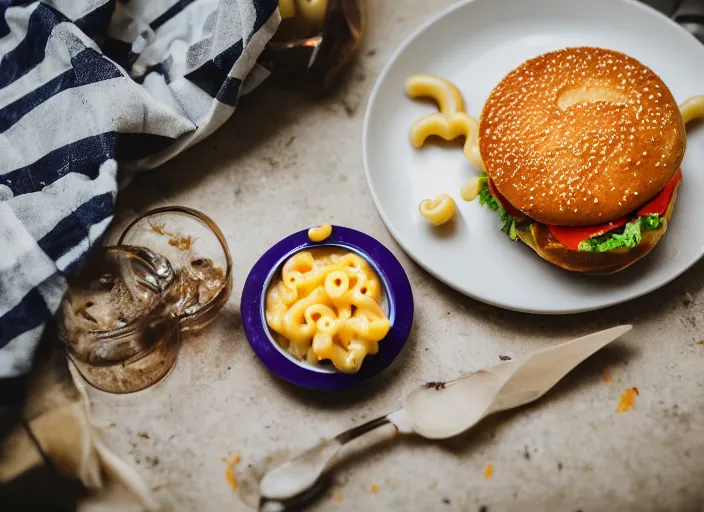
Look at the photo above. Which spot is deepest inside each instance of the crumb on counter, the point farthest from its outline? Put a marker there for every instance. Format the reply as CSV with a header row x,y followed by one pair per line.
x,y
152,461
505,358
230,471
143,435
627,399
373,488
607,376
488,471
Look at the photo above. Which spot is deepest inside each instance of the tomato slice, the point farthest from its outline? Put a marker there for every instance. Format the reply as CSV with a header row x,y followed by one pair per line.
x,y
508,207
661,201
571,236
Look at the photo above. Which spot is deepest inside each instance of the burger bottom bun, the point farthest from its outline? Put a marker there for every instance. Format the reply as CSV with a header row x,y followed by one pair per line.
x,y
538,237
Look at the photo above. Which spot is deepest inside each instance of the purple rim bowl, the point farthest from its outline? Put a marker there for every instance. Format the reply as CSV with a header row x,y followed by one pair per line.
x,y
396,286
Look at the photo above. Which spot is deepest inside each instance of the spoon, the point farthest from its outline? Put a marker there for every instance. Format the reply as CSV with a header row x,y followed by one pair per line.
x,y
439,411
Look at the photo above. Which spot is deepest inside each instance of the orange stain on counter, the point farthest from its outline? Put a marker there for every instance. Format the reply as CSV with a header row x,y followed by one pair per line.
x,y
488,471
627,399
230,471
373,488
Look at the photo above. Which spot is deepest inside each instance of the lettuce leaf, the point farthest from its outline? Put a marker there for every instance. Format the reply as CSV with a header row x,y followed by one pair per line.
x,y
486,198
631,235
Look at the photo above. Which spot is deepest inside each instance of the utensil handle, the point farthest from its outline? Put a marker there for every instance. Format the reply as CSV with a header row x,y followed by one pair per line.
x,y
360,430
289,482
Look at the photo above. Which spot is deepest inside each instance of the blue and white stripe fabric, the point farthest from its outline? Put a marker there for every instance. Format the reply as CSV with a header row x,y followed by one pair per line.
x,y
90,89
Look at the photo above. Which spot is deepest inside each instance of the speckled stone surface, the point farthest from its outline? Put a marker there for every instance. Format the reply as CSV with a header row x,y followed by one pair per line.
x,y
285,162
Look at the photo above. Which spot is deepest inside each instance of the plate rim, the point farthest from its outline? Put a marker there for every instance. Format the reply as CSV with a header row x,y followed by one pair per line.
x,y
415,33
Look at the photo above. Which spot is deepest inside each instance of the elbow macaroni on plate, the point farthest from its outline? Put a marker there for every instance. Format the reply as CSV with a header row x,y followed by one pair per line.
x,y
692,108
327,306
471,188
451,122
439,210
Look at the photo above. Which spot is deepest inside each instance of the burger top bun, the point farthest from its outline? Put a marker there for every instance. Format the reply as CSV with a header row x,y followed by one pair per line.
x,y
581,136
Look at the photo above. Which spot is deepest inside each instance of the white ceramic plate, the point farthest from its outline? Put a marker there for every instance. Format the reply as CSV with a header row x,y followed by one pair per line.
x,y
475,44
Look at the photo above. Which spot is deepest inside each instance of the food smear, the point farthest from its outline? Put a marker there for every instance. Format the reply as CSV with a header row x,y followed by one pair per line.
x,y
488,471
628,398
230,471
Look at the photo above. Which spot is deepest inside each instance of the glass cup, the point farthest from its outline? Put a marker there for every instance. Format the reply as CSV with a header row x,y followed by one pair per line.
x,y
122,317
198,253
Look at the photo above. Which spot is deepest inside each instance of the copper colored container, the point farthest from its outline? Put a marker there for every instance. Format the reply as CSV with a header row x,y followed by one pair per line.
x,y
311,55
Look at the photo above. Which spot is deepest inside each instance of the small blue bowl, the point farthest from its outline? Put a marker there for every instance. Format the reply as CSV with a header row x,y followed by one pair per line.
x,y
398,301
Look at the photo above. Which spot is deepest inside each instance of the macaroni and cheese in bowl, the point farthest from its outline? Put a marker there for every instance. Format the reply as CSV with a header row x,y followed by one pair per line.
x,y
329,313
326,306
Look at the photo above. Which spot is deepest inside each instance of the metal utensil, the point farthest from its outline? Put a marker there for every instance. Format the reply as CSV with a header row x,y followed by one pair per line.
x,y
440,411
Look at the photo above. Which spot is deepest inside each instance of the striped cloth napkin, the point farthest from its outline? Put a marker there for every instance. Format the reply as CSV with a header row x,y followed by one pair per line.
x,y
90,89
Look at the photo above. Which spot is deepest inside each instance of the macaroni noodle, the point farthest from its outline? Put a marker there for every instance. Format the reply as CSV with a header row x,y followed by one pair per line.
x,y
692,108
471,188
320,233
287,9
327,305
439,210
450,123
312,11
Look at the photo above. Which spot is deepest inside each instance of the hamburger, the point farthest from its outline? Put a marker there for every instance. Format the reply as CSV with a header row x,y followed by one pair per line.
x,y
582,149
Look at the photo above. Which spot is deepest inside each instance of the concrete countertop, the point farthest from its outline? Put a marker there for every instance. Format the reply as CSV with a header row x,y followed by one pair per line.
x,y
285,162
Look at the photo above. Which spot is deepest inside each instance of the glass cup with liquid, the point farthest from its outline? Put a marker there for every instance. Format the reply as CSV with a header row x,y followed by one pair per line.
x,y
123,316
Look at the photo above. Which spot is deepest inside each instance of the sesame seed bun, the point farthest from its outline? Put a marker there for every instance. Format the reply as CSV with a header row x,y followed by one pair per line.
x,y
581,136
